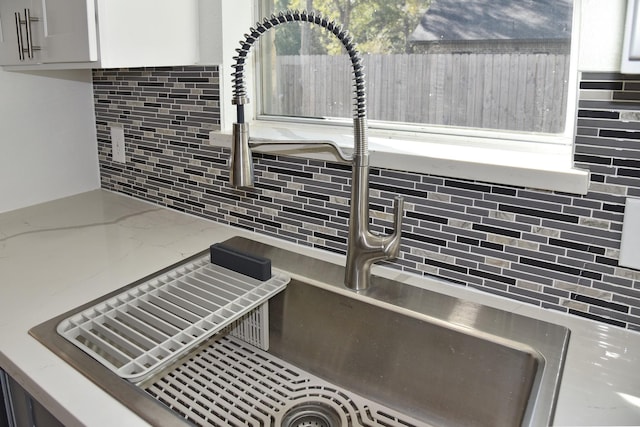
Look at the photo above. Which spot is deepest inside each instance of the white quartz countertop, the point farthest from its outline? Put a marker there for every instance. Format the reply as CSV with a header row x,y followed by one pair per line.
x,y
59,255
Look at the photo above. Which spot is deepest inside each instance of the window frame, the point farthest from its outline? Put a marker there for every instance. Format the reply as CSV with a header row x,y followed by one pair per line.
x,y
526,159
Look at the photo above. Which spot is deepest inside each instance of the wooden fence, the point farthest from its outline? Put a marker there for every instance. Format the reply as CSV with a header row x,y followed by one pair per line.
x,y
524,92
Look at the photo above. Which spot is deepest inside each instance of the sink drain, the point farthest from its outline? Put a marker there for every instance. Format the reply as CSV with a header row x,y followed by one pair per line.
x,y
311,414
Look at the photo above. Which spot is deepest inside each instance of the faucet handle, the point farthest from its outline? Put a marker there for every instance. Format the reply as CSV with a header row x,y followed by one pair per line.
x,y
393,250
398,212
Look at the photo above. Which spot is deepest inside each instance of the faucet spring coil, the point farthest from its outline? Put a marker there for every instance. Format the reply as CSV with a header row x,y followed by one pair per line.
x,y
239,89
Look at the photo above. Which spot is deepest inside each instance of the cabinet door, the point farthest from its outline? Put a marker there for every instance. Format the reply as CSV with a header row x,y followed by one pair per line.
x,y
58,31
19,41
4,397
23,410
8,40
69,31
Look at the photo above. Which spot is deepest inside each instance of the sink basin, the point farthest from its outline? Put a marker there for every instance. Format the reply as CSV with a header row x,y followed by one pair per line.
x,y
427,369
391,355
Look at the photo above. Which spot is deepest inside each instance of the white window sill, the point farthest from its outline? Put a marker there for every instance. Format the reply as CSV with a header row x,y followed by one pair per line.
x,y
547,166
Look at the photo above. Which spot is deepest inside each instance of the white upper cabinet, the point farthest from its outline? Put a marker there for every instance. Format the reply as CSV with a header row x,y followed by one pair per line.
x,y
49,34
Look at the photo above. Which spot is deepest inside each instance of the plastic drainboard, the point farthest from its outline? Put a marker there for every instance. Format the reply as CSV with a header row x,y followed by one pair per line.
x,y
145,327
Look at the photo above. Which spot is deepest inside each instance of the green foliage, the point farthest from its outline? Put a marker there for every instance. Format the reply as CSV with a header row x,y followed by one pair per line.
x,y
299,38
378,26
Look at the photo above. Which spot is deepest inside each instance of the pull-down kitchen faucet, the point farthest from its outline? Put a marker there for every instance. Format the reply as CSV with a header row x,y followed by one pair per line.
x,y
363,247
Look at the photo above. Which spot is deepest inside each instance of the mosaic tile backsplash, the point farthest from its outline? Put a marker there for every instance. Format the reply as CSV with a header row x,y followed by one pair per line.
x,y
550,249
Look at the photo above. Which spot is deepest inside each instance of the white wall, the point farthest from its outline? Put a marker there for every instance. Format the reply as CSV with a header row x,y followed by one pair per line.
x,y
47,136
601,33
233,19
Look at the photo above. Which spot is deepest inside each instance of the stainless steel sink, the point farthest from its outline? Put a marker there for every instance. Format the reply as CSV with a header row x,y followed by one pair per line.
x,y
429,370
392,355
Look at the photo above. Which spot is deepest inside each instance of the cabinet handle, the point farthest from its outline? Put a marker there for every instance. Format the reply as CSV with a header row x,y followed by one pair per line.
x,y
28,32
28,20
19,34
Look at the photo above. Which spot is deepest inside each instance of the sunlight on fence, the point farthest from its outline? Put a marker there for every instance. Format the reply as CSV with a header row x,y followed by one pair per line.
x,y
523,92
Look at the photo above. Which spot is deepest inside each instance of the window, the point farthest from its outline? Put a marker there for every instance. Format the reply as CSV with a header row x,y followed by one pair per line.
x,y
499,65
476,89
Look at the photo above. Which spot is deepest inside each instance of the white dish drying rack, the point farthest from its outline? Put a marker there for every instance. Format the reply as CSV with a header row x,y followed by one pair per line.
x,y
146,327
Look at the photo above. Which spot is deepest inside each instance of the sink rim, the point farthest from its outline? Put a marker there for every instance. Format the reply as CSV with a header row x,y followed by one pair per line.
x,y
407,299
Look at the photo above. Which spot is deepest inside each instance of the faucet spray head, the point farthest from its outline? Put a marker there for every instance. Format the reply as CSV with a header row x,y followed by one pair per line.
x,y
241,158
